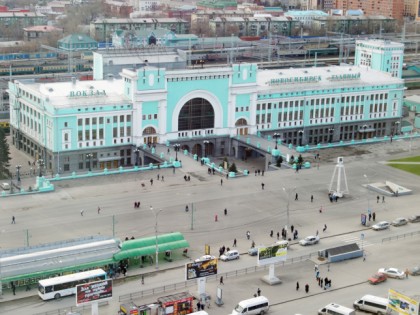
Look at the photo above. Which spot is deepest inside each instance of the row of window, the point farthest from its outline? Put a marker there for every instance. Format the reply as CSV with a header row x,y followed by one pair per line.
x,y
95,120
204,77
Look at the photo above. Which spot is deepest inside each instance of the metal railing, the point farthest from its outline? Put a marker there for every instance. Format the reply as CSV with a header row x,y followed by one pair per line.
x,y
186,284
400,236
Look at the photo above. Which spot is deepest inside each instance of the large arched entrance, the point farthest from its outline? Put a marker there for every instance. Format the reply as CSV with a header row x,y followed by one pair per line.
x,y
197,149
241,127
197,113
150,135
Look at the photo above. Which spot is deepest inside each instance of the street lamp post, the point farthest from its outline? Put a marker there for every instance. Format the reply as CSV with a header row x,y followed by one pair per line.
x,y
90,156
364,131
288,192
331,131
368,193
176,148
18,167
40,166
137,152
206,142
300,137
276,136
156,236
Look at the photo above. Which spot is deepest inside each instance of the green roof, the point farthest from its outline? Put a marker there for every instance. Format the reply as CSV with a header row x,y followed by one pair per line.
x,y
77,39
149,250
149,241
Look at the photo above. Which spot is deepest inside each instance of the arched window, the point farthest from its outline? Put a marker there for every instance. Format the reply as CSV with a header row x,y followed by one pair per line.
x,y
241,122
196,114
149,131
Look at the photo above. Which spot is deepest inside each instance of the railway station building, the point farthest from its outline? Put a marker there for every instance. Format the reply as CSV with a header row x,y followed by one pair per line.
x,y
101,123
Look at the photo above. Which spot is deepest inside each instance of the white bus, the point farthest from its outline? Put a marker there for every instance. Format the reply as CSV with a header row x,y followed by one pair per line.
x,y
372,304
55,288
258,305
336,309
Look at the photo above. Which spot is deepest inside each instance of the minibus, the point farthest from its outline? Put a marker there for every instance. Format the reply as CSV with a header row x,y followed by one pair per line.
x,y
257,305
336,309
372,304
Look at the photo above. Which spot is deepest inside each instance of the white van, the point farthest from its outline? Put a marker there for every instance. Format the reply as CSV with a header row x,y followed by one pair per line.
x,y
199,313
372,304
335,309
258,305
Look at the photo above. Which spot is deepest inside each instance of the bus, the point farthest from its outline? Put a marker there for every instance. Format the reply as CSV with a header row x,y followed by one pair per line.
x,y
55,288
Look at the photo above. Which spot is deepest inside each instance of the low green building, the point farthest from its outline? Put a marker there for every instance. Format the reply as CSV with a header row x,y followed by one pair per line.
x,y
77,42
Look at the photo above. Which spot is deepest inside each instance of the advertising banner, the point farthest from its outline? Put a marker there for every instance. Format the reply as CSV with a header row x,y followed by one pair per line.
x,y
402,304
272,254
201,269
93,292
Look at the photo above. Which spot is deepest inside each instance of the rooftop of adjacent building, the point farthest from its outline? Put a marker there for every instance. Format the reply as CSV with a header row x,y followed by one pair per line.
x,y
380,43
43,28
305,13
138,20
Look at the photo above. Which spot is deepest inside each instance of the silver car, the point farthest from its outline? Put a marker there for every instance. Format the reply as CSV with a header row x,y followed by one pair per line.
x,y
309,240
383,225
399,222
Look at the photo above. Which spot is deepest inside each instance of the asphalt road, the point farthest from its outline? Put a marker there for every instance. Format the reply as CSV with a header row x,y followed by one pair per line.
x,y
56,216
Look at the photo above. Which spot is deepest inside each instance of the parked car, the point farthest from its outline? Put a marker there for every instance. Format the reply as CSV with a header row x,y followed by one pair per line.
x,y
205,258
253,251
399,222
392,273
230,255
415,271
414,218
5,186
383,225
377,278
309,240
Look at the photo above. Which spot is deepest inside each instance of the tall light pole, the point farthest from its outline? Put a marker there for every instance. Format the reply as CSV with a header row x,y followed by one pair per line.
x,y
137,152
368,193
156,236
276,136
90,156
205,142
176,148
40,166
300,137
331,131
288,192
18,167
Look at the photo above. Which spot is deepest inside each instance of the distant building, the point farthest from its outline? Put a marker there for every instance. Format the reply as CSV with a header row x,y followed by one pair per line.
x,y
118,8
19,20
40,31
388,8
218,5
102,30
410,8
355,25
253,26
144,38
77,42
305,17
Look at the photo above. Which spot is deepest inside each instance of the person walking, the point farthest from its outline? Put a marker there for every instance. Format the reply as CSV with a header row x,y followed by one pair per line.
x,y
225,211
406,273
82,212
221,182
151,182
307,288
297,286
259,292
234,243
221,280
296,196
312,198
325,228
271,233
99,210
278,235
292,228
13,220
370,216
248,235
262,186
377,199
198,306
374,216
13,288
383,199
142,279
322,282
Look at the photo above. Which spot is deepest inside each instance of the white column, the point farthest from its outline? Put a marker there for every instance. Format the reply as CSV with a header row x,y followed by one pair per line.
x,y
162,117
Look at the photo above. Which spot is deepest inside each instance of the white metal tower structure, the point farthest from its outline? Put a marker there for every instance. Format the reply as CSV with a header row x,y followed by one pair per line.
x,y
338,184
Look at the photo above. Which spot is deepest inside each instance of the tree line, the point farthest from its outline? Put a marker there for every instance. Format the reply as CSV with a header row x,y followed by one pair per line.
x,y
4,156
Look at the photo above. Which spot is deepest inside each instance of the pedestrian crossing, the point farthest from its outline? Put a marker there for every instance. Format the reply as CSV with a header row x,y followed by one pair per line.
x,y
355,239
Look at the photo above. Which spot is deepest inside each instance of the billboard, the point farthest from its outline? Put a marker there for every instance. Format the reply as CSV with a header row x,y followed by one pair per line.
x,y
93,291
402,304
201,269
272,254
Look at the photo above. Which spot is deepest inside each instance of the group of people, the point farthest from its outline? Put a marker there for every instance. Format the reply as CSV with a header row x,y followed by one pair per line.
x,y
187,178
258,172
137,204
223,249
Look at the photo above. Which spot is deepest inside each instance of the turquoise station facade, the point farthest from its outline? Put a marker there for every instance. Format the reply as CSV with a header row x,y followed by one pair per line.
x,y
98,124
